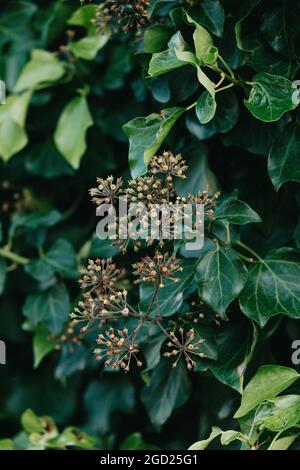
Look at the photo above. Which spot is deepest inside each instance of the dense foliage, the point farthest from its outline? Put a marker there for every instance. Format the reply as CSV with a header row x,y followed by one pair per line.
x,y
202,88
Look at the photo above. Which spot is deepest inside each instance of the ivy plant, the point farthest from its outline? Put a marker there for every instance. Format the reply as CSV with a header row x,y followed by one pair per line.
x,y
150,92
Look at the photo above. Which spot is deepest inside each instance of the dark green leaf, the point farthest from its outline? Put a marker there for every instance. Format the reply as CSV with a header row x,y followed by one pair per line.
x,y
234,211
174,389
209,13
273,287
284,158
221,277
271,96
51,307
146,134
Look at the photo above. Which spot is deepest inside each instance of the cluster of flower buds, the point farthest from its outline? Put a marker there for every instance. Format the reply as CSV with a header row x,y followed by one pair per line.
x,y
209,201
184,344
99,275
117,348
132,15
169,164
158,269
108,191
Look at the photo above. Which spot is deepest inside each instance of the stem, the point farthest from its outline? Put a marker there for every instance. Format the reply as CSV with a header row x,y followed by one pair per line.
x,y
247,248
225,87
5,253
226,66
191,106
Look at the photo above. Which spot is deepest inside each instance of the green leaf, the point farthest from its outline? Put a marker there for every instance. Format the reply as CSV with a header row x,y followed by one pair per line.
x,y
201,445
273,287
206,107
283,443
245,10
72,437
156,38
170,297
209,13
220,277
237,212
2,274
270,97
83,16
284,157
87,48
136,442
42,70
235,347
146,134
279,414
174,389
62,258
102,401
41,271
13,137
70,133
35,220
267,383
224,120
6,444
51,307
42,345
32,423
166,61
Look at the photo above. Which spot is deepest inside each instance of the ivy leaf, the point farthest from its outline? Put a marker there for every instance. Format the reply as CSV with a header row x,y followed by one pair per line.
x,y
279,414
107,392
225,118
156,38
6,444
2,274
273,287
283,443
13,137
245,10
201,445
87,48
70,133
174,389
170,297
62,258
42,345
271,96
284,157
136,442
220,277
84,17
237,212
51,307
209,13
146,134
235,344
166,61
267,383
206,107
41,71
206,53
41,271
